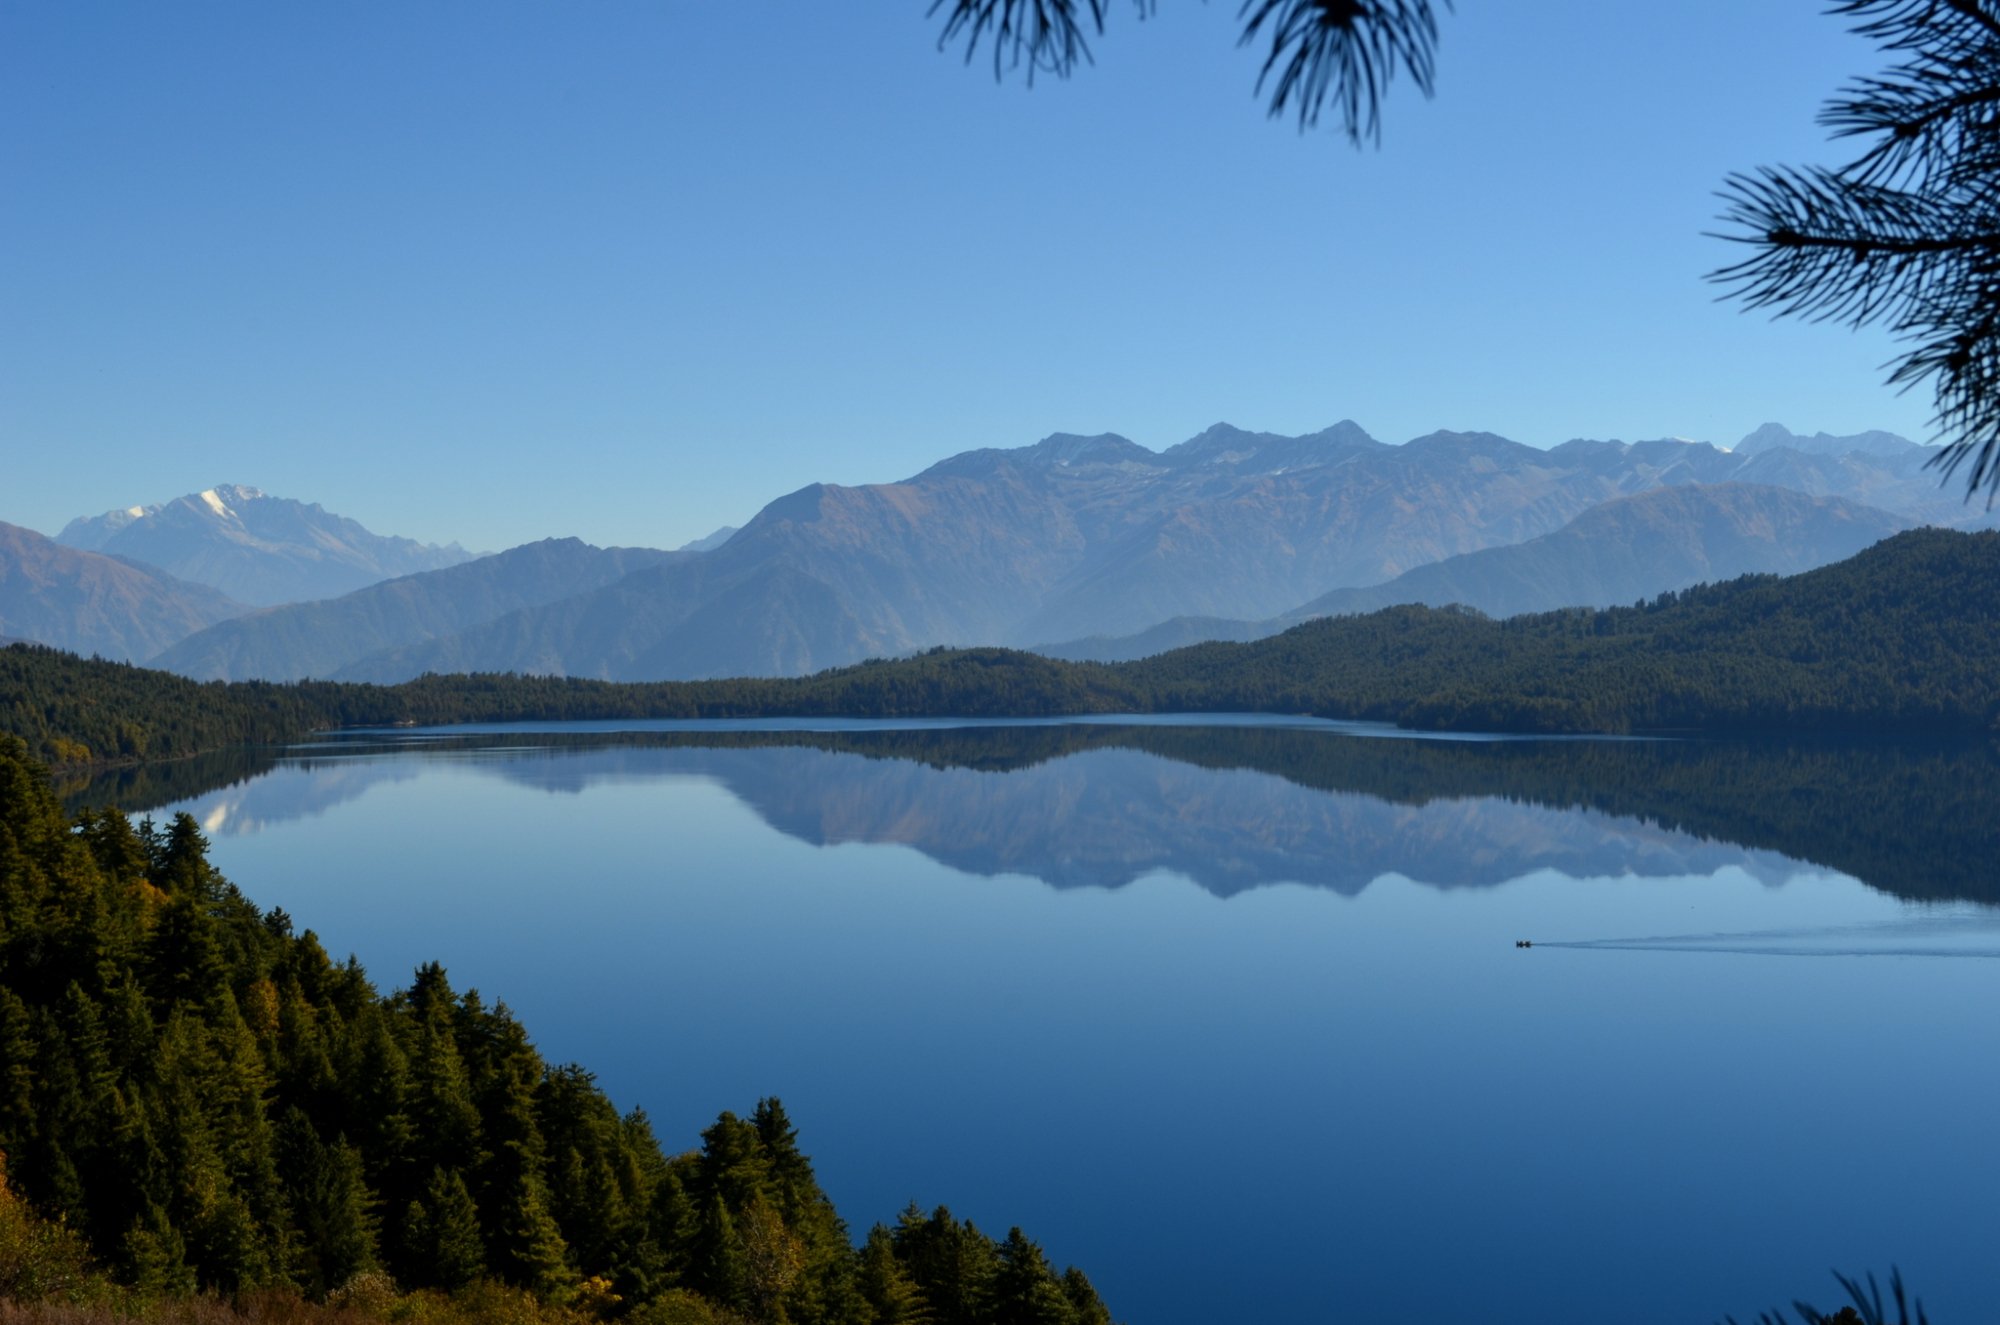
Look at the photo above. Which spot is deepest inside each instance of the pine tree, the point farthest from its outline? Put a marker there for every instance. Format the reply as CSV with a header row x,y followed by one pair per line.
x,y
120,853
184,955
953,1264
715,1257
180,858
330,1203
892,1295
442,1246
532,1252
732,1164
17,1072
1025,1289
373,1109
1083,1298
641,1262
787,1170
444,1123
156,1256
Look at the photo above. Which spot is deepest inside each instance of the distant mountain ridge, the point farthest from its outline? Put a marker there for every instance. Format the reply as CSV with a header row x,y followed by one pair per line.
x,y
1075,536
709,542
1623,550
1773,436
329,638
93,604
1097,535
258,549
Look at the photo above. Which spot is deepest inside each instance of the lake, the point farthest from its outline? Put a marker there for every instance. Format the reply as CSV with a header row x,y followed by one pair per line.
x,y
1230,1013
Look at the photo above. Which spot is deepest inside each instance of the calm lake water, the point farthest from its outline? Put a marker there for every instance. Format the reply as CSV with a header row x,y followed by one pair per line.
x,y
1231,1015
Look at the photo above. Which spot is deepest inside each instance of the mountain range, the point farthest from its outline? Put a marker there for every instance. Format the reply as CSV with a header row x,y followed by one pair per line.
x,y
1093,539
1623,550
1097,535
256,548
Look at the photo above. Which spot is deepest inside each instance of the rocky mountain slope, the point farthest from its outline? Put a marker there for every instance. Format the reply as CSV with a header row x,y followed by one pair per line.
x,y
1097,535
1637,547
1621,551
1774,436
324,639
89,603
256,548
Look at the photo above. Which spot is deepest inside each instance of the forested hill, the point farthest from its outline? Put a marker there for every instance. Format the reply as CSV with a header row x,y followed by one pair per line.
x,y
1904,637
193,1097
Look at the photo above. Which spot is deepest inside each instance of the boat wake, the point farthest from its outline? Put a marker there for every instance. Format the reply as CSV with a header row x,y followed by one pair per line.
x,y
1956,935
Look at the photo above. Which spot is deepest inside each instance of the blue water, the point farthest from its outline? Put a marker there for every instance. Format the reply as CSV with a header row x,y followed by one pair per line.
x,y
1242,1048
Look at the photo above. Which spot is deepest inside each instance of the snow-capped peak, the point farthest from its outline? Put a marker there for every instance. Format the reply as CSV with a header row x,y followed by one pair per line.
x,y
223,498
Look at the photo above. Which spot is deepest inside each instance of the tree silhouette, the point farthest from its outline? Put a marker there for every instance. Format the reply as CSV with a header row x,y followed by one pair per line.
x,y
1865,1306
1908,233
1343,51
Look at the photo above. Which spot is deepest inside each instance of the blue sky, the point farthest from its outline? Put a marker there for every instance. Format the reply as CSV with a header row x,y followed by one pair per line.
x,y
495,271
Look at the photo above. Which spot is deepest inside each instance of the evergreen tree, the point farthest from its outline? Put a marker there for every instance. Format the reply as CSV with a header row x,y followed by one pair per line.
x,y
156,1256
180,858
17,1071
331,1203
891,1293
185,960
441,1239
532,1252
952,1262
787,1173
716,1266
1025,1289
1083,1298
121,855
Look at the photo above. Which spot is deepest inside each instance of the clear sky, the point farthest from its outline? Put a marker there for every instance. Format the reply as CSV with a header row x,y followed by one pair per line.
x,y
495,271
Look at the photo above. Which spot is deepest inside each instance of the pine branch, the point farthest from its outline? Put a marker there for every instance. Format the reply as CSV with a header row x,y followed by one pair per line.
x,y
1908,233
1348,50
1045,35
1343,52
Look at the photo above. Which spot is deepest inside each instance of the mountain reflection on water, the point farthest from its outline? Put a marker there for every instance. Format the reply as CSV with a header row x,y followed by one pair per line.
x,y
1230,807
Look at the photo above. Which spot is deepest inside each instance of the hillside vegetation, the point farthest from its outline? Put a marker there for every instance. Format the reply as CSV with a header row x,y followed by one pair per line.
x,y
1903,638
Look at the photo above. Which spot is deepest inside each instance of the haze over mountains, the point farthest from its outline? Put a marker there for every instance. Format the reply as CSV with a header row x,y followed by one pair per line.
x,y
1090,539
89,603
258,549
325,639
1098,535
1618,552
